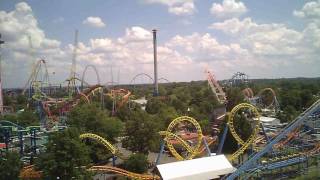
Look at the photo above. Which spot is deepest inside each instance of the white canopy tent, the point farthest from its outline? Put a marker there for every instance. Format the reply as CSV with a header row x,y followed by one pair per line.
x,y
196,169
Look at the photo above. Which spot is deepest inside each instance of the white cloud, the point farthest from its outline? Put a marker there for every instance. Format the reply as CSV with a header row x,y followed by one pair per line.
x,y
261,50
262,39
16,27
94,22
205,48
275,49
177,7
310,10
228,8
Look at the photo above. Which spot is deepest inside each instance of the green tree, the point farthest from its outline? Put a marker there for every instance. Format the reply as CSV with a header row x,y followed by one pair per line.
x,y
65,156
235,97
10,166
154,105
141,133
90,118
27,118
137,163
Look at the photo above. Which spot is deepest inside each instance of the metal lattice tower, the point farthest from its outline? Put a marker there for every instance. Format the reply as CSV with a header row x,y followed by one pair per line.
x,y
72,79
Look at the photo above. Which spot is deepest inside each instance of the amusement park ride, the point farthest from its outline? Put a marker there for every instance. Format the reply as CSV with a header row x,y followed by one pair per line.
x,y
258,155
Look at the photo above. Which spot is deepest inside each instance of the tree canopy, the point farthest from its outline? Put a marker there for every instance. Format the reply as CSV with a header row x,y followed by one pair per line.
x,y
66,156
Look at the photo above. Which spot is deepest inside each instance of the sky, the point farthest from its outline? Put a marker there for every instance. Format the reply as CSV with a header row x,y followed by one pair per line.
x,y
264,39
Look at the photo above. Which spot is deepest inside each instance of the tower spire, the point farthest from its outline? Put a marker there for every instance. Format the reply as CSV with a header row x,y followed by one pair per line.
x,y
1,95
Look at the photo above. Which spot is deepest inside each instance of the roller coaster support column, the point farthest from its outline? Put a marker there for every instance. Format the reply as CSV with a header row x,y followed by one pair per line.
x,y
20,135
264,133
161,151
6,138
223,138
289,128
207,147
113,160
42,115
33,144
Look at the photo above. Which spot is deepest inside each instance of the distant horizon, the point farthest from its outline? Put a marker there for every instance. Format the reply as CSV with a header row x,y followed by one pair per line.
x,y
57,85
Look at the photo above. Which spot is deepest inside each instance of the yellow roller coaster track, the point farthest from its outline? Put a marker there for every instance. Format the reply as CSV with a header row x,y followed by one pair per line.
x,y
169,135
101,140
252,138
122,172
29,172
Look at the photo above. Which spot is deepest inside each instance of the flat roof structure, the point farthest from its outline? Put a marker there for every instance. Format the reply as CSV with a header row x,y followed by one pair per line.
x,y
196,169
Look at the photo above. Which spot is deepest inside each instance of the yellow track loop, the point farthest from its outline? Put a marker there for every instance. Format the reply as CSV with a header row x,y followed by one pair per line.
x,y
251,139
122,172
169,136
101,140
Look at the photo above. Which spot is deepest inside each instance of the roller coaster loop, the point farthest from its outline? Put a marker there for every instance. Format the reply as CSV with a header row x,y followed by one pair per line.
x,y
272,103
169,135
101,140
251,139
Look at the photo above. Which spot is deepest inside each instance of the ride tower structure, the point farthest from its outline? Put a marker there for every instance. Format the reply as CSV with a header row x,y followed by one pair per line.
x,y
1,93
72,78
155,61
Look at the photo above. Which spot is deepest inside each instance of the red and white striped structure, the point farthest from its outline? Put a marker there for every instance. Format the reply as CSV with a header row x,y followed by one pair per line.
x,y
216,88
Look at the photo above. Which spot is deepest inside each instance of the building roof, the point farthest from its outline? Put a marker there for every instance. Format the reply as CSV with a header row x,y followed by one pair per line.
x,y
196,169
267,119
141,101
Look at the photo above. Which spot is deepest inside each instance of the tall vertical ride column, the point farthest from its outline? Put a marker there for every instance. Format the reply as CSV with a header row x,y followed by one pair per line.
x,y
155,69
1,95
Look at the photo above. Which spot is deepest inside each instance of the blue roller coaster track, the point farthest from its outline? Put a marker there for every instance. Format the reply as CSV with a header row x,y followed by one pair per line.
x,y
252,163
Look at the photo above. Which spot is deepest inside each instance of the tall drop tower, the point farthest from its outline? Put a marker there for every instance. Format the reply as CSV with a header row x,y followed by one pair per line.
x,y
1,95
155,69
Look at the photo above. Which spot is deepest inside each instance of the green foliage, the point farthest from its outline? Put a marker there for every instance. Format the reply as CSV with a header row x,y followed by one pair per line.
x,y
137,163
90,118
10,166
235,97
7,100
27,118
311,175
24,118
65,156
154,105
141,133
205,126
21,99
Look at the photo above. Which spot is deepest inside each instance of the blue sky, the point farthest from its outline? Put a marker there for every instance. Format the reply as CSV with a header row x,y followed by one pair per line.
x,y
265,39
